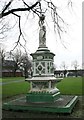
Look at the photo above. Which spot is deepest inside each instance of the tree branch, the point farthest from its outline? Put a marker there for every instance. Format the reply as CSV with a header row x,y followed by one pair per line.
x,y
35,11
7,6
17,10
37,8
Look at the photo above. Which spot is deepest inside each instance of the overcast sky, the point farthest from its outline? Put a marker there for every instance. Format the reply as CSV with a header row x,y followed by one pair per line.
x,y
72,40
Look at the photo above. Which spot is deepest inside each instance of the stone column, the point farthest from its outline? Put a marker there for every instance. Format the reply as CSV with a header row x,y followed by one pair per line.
x,y
49,84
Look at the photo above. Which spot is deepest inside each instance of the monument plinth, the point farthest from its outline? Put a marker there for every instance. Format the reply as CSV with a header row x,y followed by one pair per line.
x,y
43,95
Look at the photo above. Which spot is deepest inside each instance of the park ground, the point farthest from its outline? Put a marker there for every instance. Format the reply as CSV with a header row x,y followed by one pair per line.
x,y
68,86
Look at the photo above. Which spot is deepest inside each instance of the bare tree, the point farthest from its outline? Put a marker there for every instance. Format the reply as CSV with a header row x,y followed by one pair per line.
x,y
26,65
16,57
75,65
2,54
22,61
17,8
64,67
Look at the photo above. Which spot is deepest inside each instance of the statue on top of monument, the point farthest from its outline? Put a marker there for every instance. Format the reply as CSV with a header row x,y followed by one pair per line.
x,y
41,20
42,32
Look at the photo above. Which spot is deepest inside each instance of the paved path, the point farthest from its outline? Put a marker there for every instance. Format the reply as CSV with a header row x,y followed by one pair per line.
x,y
5,83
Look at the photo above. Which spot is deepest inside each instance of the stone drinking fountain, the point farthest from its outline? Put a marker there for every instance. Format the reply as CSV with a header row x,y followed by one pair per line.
x,y
43,83
43,95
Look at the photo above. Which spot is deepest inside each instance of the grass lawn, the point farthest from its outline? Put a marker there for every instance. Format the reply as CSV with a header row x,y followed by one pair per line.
x,y
8,79
69,86
0,79
12,89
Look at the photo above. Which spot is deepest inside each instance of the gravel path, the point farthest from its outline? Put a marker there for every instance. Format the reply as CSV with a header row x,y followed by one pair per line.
x,y
5,83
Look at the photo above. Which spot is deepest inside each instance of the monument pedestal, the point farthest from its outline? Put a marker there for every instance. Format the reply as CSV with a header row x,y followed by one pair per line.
x,y
43,95
64,104
43,89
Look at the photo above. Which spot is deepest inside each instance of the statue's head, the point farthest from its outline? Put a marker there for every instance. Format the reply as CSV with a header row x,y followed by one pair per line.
x,y
42,17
